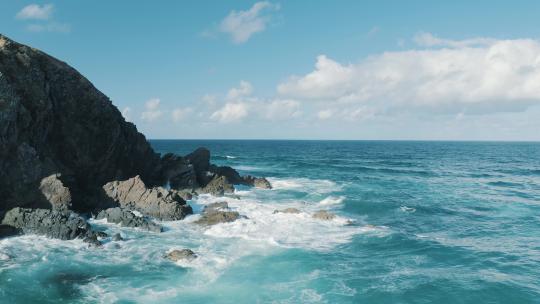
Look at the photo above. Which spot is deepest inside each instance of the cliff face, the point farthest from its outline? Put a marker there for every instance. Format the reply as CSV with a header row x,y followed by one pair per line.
x,y
53,121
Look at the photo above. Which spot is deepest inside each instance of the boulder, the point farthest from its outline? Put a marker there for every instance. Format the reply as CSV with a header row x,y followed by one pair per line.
x,y
257,182
117,237
324,215
287,210
126,218
55,192
218,186
183,254
216,213
52,223
157,202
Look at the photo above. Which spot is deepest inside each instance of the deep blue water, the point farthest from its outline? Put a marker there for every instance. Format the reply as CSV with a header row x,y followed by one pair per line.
x,y
418,222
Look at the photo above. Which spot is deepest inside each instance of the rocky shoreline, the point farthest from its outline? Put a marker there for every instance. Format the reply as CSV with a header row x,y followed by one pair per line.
x,y
67,155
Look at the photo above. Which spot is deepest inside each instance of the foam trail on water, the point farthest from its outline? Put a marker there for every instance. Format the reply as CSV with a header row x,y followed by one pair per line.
x,y
320,186
332,200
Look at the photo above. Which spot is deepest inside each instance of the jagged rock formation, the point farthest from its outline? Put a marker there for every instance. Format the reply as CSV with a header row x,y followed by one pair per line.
x,y
65,148
53,120
126,218
157,202
52,223
183,254
217,213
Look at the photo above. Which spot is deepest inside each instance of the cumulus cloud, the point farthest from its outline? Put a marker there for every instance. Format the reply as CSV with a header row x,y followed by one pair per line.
x,y
231,112
180,114
244,89
152,111
36,12
280,109
475,75
241,25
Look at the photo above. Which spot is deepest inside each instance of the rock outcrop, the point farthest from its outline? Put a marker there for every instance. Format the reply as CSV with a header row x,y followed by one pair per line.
x,y
257,182
157,202
52,223
65,148
127,218
183,254
54,121
324,215
287,210
217,213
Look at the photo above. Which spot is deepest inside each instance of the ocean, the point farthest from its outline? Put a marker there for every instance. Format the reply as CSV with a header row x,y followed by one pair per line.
x,y
417,222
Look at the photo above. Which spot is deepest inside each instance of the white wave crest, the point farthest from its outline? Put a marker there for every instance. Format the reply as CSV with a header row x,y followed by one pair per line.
x,y
332,200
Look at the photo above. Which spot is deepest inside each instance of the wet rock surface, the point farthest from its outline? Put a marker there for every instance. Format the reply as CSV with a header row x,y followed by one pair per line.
x,y
126,218
156,202
51,223
324,215
217,213
287,210
182,254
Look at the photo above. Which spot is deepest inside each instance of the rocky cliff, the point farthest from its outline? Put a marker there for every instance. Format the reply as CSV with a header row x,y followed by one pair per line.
x,y
65,147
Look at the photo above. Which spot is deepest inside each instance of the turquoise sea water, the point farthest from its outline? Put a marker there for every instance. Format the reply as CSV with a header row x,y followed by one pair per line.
x,y
433,222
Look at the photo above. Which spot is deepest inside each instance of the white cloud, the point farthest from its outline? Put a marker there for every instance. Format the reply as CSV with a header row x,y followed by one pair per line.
x,y
470,76
152,111
430,40
36,11
280,109
126,113
241,25
231,112
180,114
49,27
244,89
325,114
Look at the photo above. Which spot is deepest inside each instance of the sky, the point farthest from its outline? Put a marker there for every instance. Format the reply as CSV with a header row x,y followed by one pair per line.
x,y
411,70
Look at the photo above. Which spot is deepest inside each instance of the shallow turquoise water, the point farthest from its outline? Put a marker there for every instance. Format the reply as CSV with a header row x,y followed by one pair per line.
x,y
434,222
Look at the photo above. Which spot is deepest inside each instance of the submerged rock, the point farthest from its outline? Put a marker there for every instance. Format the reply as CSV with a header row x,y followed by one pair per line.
x,y
117,237
183,254
52,223
324,215
126,218
92,241
216,213
157,202
287,210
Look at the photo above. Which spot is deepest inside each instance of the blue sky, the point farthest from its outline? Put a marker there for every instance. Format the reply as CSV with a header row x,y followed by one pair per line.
x,y
302,69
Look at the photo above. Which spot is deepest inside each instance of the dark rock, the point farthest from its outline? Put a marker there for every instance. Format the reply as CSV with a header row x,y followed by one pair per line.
x,y
157,202
6,231
287,210
117,237
200,159
101,234
126,218
232,175
257,182
183,254
92,240
178,172
52,223
324,215
54,121
218,186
